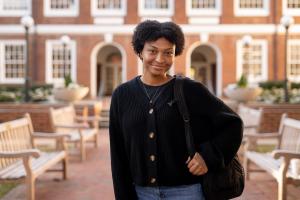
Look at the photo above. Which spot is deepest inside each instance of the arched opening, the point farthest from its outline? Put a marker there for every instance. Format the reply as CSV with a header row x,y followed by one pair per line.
x,y
203,67
108,70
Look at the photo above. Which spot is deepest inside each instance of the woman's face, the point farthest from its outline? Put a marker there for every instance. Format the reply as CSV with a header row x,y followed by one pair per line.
x,y
158,57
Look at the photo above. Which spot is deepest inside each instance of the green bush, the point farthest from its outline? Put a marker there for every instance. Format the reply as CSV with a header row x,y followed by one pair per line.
x,y
14,93
68,80
268,85
243,82
295,85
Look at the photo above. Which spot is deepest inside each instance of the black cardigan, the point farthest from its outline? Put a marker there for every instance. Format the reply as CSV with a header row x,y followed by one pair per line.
x,y
148,149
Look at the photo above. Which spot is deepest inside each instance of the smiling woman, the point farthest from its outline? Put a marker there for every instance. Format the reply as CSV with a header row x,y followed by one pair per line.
x,y
157,44
149,158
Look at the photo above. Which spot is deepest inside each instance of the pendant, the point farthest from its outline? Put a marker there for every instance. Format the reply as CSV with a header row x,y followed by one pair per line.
x,y
151,111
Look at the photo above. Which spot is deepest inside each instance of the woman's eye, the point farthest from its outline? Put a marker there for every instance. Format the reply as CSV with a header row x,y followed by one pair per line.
x,y
169,53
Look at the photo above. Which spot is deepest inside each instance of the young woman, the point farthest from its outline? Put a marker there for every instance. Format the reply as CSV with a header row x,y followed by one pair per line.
x,y
149,158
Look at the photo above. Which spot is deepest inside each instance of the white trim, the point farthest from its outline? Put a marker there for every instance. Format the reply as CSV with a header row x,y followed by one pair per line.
x,y
4,79
160,19
93,64
243,12
48,12
290,77
16,13
204,20
142,11
191,12
84,29
289,11
108,20
239,61
108,12
219,68
48,62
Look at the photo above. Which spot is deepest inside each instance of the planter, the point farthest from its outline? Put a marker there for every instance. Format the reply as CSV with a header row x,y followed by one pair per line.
x,y
70,94
242,94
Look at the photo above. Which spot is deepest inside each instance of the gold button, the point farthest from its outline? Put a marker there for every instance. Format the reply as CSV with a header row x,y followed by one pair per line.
x,y
153,180
151,111
152,158
151,135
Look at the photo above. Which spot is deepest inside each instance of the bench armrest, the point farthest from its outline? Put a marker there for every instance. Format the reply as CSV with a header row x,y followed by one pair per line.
x,y
250,126
286,154
255,136
21,154
88,119
73,126
43,135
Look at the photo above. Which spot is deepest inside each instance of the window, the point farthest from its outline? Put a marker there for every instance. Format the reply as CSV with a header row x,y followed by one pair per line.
x,y
12,61
64,8
203,4
60,61
252,60
156,8
203,7
291,7
251,4
156,4
15,7
293,4
293,67
251,7
108,7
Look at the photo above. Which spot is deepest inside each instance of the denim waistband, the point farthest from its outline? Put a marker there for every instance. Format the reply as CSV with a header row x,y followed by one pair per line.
x,y
182,192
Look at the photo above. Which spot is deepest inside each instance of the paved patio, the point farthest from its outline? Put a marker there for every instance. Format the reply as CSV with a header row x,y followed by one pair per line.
x,y
91,180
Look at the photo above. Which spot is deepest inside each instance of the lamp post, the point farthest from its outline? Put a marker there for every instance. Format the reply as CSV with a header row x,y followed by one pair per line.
x,y
65,40
27,22
247,40
286,21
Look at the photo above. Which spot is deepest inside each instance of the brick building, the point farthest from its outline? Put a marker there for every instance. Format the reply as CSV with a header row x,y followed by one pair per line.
x,y
100,54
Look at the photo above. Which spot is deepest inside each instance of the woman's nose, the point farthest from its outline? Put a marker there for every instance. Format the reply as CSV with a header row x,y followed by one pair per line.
x,y
159,58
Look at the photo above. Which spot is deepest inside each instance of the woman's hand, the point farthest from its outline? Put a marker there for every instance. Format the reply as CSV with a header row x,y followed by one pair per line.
x,y
197,165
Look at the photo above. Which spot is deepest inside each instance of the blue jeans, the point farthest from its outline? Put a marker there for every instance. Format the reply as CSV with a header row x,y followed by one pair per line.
x,y
183,192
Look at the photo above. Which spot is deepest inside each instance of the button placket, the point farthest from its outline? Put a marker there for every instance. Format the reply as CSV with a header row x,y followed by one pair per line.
x,y
152,148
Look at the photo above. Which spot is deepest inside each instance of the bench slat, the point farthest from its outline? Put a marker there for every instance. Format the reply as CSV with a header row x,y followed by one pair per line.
x,y
45,161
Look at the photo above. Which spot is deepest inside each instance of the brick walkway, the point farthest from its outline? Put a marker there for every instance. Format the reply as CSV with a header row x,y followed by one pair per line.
x,y
91,180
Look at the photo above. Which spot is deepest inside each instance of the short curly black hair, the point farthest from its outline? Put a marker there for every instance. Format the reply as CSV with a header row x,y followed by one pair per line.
x,y
151,30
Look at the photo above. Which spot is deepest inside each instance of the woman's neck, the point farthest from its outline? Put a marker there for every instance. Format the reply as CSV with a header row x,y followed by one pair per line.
x,y
155,80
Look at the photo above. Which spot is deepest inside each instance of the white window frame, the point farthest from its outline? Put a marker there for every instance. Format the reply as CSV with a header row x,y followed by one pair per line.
x,y
265,11
290,77
49,66
203,11
16,13
289,11
109,12
3,79
48,12
239,56
144,12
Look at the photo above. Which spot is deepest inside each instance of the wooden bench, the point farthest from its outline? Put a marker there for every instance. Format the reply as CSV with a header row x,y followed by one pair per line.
x,y
20,161
251,118
64,120
277,162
